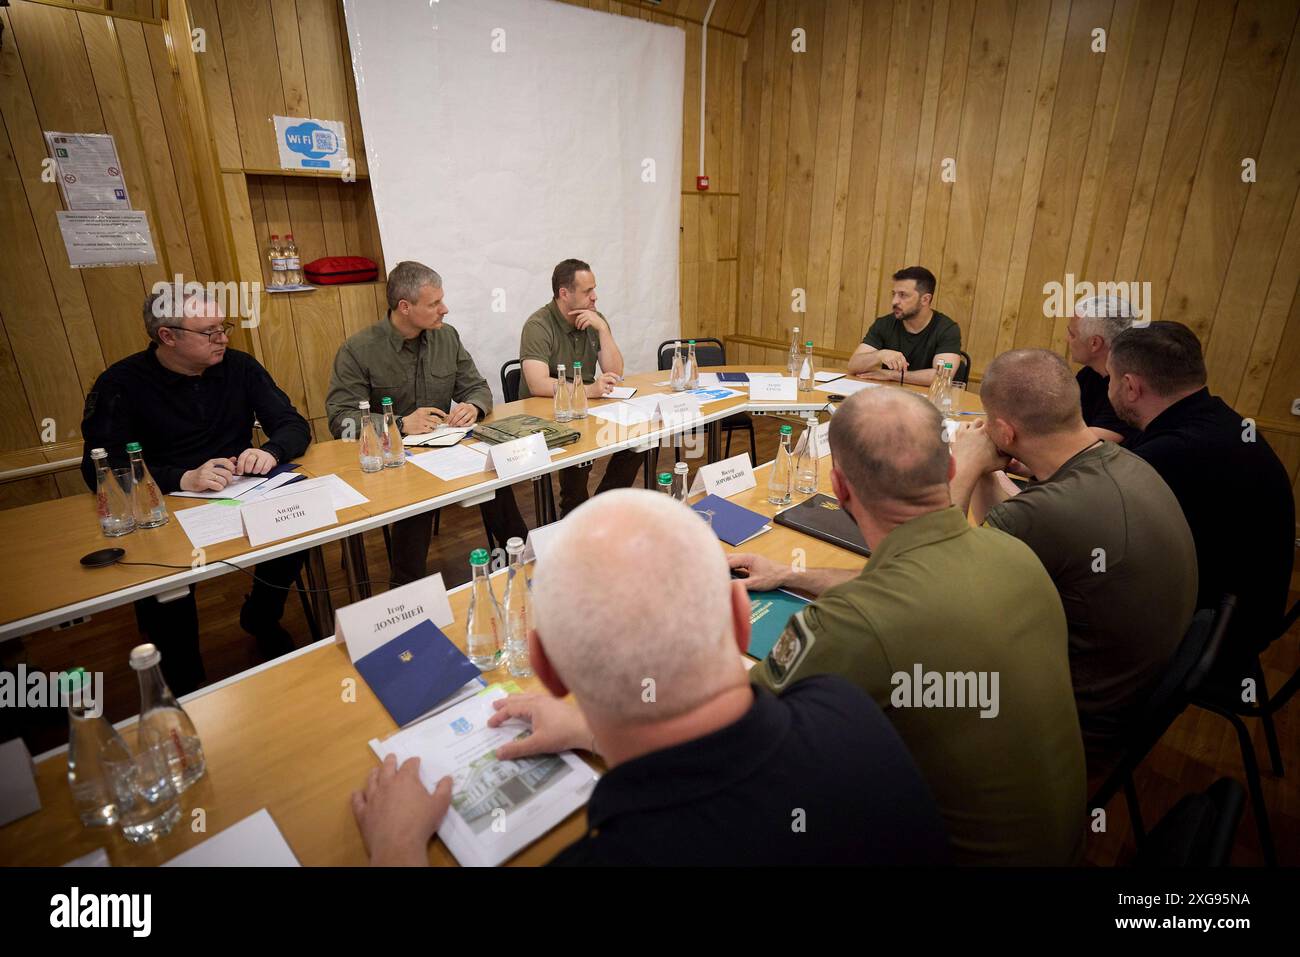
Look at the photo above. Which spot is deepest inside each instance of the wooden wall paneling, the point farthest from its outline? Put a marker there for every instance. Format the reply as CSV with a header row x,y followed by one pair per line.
x,y
44,202
357,306
993,30
253,68
348,219
183,165
925,166
855,302
357,144
28,491
1076,93
244,215
1031,184
947,131
1252,67
54,58
289,48
1283,386
692,211
331,210
691,112
151,132
1239,320
305,216
1272,323
275,206
1196,91
318,328
216,84
36,338
847,95
775,309
363,211
823,159
757,122
1011,151
328,74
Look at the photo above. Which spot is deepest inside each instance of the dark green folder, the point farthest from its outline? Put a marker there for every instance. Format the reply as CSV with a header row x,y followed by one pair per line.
x,y
768,613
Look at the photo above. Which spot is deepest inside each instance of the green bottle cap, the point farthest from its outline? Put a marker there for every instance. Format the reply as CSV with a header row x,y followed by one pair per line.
x,y
577,365
133,446
690,342
786,430
387,401
70,681
947,365
478,557
808,343
665,478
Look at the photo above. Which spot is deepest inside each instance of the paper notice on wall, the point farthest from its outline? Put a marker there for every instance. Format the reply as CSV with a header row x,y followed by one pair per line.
x,y
89,172
312,144
107,238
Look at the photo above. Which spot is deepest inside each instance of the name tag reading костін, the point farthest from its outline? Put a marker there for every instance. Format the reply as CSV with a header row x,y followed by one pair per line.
x,y
287,515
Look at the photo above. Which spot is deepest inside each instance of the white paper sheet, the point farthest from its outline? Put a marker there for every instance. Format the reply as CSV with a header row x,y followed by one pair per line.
x,y
621,392
444,435
828,376
623,413
242,485
846,386
454,463
210,524
342,495
253,842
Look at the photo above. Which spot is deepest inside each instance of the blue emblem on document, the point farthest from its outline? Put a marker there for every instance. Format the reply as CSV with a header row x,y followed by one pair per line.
x,y
462,726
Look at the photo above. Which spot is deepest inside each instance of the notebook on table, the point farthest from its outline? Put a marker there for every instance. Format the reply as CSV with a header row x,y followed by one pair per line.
x,y
821,517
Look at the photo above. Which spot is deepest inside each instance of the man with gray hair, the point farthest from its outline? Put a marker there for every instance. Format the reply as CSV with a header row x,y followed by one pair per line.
x,y
1093,327
191,401
1103,523
941,597
704,768
417,360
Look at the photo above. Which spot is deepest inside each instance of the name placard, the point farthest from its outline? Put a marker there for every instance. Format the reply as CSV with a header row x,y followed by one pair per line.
x,y
287,515
725,478
366,625
540,542
518,455
677,409
774,388
823,440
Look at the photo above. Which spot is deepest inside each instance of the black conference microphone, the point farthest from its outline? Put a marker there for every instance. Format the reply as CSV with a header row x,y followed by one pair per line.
x,y
103,558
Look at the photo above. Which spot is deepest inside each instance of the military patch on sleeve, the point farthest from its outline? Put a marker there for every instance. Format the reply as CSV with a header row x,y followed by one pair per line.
x,y
790,650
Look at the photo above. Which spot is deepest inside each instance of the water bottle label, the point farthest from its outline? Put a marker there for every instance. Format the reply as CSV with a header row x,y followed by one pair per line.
x,y
279,265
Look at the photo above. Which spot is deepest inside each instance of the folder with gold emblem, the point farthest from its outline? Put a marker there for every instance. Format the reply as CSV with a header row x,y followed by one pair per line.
x,y
412,673
821,517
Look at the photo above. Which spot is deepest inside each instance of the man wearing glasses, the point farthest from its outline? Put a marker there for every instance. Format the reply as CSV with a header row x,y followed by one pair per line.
x,y
191,402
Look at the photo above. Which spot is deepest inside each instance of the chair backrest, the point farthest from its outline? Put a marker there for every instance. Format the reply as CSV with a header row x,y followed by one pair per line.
x,y
510,375
1198,831
963,368
708,352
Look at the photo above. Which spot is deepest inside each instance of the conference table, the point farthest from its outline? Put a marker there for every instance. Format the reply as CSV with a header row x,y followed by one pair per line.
x,y
284,736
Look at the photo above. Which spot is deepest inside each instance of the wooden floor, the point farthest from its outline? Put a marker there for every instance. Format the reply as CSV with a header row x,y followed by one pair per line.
x,y
1199,749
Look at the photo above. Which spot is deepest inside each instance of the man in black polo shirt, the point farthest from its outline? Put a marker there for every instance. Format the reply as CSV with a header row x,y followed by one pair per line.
x,y
1092,328
907,344
1233,489
704,768
190,401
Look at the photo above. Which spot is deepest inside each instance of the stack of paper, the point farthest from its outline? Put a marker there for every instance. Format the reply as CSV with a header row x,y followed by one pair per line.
x,y
253,842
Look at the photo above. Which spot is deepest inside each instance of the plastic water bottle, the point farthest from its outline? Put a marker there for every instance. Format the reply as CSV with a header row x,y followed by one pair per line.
x,y
394,451
89,736
806,465
780,481
677,378
664,483
563,404
372,452
483,626
150,511
793,359
518,611
163,720
578,408
807,370
275,257
692,367
116,514
292,264
679,481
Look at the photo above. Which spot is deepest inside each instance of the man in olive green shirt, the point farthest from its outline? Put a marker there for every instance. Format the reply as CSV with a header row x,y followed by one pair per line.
x,y
1104,524
565,331
955,631
418,361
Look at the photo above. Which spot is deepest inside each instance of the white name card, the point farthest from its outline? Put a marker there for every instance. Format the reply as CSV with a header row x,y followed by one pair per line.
x,y
287,515
366,625
541,542
677,408
725,478
774,388
823,440
519,455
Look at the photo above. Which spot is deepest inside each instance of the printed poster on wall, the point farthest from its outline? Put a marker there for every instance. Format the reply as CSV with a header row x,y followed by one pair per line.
x,y
89,172
319,145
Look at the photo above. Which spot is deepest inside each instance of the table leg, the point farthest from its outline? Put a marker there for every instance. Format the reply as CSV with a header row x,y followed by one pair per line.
x,y
318,583
354,563
715,441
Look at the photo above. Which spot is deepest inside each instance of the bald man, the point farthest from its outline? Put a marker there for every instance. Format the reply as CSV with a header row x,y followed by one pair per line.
x,y
956,632
703,767
1103,523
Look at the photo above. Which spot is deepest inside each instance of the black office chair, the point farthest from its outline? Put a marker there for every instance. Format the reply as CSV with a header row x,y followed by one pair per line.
x,y
1191,663
511,372
963,368
711,352
1198,831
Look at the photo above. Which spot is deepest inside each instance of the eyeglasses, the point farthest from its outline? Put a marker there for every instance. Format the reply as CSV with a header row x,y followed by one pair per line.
x,y
224,330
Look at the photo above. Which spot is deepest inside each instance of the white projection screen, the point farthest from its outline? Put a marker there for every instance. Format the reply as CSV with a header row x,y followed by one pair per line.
x,y
506,135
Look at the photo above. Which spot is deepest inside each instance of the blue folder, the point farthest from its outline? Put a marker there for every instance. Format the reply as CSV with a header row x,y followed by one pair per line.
x,y
731,523
412,673
733,376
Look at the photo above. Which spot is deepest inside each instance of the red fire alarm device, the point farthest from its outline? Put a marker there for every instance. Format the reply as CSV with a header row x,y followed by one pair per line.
x,y
701,182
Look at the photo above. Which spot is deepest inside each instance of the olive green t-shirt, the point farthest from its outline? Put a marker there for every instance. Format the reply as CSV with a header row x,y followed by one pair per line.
x,y
951,599
1113,538
548,337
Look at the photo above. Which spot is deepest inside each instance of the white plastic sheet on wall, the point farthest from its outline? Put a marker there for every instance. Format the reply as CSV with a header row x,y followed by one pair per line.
x,y
506,135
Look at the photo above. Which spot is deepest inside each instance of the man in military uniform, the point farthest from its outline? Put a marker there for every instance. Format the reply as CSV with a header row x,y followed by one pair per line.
x,y
417,360
964,607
